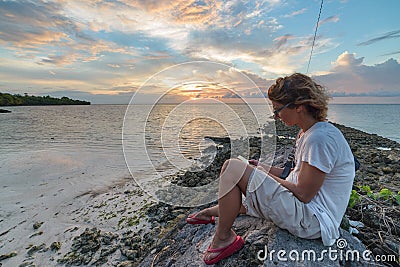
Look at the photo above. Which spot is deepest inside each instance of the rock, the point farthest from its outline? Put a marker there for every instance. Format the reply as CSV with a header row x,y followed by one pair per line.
x,y
55,246
108,250
5,111
37,225
83,248
219,140
27,264
125,264
185,245
36,234
130,254
345,223
387,169
9,255
35,249
92,247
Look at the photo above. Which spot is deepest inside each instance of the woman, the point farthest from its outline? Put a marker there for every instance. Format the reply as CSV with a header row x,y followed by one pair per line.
x,y
311,202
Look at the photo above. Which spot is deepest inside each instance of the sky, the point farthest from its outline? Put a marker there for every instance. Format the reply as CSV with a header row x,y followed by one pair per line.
x,y
108,51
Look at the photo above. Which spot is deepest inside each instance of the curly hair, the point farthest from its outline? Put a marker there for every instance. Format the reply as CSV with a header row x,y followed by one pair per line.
x,y
299,89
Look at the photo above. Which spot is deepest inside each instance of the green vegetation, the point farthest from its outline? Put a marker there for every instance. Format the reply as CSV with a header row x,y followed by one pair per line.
x,y
385,195
30,100
354,198
367,190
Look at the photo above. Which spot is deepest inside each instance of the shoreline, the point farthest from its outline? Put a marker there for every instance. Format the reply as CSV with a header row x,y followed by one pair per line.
x,y
121,226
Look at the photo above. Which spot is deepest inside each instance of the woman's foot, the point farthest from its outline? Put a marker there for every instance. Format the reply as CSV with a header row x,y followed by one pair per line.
x,y
221,248
201,217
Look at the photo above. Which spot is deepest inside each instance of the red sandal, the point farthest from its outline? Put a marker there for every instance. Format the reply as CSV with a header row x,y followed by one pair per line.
x,y
192,220
225,251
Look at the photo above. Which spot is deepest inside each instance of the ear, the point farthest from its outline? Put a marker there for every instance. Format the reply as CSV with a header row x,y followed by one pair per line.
x,y
299,108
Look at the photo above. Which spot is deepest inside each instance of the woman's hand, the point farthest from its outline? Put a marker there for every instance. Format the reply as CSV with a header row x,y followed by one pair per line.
x,y
272,170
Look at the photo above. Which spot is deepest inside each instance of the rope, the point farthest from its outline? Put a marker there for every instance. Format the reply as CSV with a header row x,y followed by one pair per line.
x,y
315,35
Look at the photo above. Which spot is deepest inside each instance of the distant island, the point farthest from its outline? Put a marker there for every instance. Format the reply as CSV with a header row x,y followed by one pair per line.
x,y
30,100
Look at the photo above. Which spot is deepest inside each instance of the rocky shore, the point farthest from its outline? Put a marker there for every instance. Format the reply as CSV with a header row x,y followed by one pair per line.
x,y
123,227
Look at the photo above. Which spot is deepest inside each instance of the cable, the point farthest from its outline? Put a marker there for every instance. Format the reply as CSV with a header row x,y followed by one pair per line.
x,y
315,35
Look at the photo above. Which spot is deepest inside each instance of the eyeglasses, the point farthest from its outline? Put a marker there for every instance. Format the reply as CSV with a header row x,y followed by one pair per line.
x,y
276,111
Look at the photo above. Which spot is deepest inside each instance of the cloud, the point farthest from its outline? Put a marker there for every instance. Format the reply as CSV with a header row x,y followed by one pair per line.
x,y
391,53
347,60
79,33
288,49
295,13
27,25
282,40
175,21
389,35
350,77
22,76
34,30
329,19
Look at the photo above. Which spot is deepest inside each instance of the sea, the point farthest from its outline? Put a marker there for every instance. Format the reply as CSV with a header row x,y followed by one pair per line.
x,y
95,145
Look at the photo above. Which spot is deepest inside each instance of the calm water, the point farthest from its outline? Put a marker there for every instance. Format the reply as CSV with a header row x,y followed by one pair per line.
x,y
383,120
86,141
99,127
61,127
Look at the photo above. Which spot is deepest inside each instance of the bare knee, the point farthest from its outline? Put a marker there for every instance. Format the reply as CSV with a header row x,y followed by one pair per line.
x,y
232,169
227,163
231,174
224,165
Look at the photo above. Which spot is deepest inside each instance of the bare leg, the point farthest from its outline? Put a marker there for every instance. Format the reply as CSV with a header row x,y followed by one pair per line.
x,y
233,182
206,213
240,170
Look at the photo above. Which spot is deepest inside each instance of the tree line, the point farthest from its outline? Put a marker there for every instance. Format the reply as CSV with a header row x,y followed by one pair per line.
x,y
30,100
